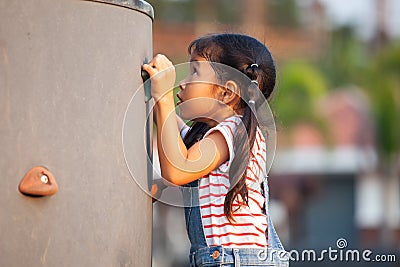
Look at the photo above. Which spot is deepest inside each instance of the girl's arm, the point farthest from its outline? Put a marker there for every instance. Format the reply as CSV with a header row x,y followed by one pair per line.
x,y
178,164
156,189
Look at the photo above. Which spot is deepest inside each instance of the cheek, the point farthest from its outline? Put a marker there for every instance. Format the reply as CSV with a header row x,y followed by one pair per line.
x,y
199,107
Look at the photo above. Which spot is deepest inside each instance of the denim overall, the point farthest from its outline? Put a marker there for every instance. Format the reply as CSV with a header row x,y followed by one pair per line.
x,y
202,255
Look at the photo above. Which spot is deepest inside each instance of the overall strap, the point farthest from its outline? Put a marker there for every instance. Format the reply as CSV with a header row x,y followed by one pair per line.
x,y
265,192
273,240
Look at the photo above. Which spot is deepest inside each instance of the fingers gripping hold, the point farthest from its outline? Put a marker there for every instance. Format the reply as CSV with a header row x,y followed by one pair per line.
x,y
162,74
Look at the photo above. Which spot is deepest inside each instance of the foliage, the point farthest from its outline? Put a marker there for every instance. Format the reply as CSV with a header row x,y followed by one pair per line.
x,y
381,81
173,11
347,61
300,85
282,13
377,72
344,58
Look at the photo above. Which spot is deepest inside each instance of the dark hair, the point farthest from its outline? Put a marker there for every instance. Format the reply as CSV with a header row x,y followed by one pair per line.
x,y
252,58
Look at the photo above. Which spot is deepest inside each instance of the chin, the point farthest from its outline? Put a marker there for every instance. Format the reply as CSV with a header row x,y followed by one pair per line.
x,y
181,113
186,113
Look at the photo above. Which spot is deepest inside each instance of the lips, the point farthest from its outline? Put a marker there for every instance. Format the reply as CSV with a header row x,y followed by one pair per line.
x,y
180,100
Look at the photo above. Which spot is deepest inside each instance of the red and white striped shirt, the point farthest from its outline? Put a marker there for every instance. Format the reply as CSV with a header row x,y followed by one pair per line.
x,y
250,225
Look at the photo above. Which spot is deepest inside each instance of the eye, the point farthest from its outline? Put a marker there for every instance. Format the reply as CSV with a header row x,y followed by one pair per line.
x,y
194,71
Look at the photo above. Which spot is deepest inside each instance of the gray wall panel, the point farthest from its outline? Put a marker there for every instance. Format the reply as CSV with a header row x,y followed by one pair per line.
x,y
68,70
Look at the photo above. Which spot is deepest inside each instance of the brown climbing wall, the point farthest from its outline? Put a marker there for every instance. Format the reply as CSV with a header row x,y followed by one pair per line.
x,y
68,70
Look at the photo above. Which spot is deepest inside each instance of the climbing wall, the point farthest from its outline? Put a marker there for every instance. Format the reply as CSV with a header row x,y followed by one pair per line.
x,y
68,72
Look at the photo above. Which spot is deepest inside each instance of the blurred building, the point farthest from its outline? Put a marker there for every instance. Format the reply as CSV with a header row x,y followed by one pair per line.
x,y
171,37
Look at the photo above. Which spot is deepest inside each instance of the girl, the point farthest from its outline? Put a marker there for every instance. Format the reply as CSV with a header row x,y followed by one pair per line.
x,y
221,160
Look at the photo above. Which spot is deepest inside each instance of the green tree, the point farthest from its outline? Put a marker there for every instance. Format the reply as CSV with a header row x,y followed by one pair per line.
x,y
344,58
283,13
350,61
300,85
382,83
173,11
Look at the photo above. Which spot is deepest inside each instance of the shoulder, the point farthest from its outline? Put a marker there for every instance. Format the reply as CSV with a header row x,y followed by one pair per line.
x,y
225,132
227,127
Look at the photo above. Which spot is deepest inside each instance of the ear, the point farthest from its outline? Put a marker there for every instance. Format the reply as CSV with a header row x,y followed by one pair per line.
x,y
230,93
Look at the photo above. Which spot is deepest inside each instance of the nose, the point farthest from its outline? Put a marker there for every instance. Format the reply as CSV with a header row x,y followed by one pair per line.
x,y
182,84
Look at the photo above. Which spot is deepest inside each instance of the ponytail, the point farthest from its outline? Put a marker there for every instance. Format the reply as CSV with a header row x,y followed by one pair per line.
x,y
242,144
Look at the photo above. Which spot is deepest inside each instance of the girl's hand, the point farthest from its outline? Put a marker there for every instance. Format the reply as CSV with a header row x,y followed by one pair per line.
x,y
156,189
162,74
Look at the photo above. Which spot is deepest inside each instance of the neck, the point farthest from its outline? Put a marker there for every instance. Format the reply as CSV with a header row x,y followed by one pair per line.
x,y
221,116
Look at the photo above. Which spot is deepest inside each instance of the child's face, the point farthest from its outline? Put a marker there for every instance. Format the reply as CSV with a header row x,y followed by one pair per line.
x,y
199,94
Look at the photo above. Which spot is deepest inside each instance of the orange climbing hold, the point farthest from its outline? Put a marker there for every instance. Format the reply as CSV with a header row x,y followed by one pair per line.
x,y
39,181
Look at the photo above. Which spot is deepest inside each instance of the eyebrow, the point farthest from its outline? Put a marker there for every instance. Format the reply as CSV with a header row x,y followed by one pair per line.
x,y
192,60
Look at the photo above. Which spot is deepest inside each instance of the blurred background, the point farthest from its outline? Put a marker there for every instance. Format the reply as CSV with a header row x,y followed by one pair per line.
x,y
337,105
